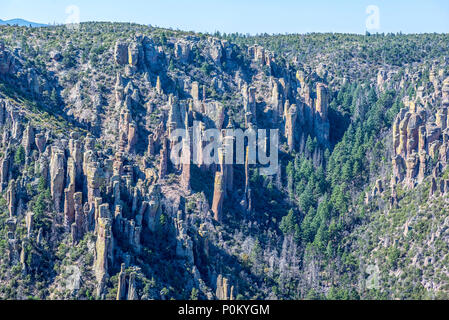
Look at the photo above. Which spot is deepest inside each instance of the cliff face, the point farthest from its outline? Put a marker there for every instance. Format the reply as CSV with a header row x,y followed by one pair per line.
x,y
106,163
93,206
420,135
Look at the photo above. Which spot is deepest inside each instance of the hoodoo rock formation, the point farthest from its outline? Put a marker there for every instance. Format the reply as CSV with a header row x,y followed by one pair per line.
x,y
95,204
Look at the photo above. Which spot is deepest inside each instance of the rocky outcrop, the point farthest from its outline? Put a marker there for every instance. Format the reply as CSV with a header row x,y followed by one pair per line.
x,y
175,114
69,204
226,168
57,174
5,165
445,93
15,71
186,174
139,53
184,244
132,293
159,85
260,55
104,155
224,291
29,221
128,132
40,140
195,92
8,63
163,162
215,50
154,208
381,79
28,139
11,198
215,111
121,53
417,139
290,127
247,198
126,285
103,247
249,100
277,103
182,50
79,227
121,290
135,52
219,193
93,181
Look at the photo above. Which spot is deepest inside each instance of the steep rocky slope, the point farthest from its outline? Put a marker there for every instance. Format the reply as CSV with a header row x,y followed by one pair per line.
x,y
92,206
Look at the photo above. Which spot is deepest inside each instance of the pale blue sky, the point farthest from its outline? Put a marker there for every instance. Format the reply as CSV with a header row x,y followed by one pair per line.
x,y
244,16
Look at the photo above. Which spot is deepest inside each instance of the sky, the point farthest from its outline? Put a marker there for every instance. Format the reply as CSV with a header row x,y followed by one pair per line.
x,y
245,16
